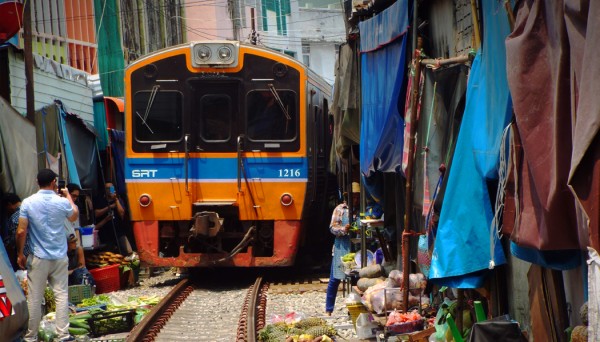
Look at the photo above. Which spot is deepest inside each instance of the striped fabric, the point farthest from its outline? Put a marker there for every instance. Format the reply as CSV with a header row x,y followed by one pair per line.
x,y
6,308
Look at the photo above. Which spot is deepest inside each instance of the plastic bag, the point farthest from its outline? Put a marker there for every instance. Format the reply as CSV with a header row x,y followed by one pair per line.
x,y
352,299
440,324
365,327
47,331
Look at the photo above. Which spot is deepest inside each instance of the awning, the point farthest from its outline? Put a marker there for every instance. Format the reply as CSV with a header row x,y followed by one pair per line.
x,y
114,107
382,45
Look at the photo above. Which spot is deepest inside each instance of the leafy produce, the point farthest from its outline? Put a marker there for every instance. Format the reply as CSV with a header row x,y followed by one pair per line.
x,y
49,299
95,300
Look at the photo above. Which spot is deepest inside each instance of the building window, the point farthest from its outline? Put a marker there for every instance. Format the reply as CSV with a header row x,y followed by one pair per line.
x,y
306,60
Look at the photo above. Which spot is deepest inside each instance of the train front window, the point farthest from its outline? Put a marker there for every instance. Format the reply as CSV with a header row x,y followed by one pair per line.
x,y
215,113
271,115
157,115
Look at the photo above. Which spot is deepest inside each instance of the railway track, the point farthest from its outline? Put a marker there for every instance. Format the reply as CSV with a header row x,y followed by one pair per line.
x,y
178,316
231,307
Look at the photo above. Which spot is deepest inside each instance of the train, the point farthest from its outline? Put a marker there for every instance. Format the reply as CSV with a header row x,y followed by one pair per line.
x,y
227,148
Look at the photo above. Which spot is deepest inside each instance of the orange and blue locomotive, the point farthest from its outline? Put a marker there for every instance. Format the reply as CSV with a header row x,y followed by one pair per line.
x,y
227,149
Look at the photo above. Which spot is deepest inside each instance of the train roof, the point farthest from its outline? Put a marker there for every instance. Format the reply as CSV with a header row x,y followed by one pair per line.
x,y
312,75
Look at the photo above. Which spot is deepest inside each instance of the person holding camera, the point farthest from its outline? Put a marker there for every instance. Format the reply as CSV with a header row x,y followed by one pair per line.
x,y
41,222
110,220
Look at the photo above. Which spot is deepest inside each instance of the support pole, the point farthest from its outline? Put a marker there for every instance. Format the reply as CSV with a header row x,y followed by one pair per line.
x,y
476,32
409,174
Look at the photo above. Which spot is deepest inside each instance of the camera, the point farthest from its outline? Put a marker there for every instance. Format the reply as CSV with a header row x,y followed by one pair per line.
x,y
61,185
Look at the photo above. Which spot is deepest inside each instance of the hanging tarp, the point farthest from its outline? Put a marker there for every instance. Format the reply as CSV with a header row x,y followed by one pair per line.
x,y
382,46
18,163
542,77
83,147
72,174
584,176
48,139
464,249
442,107
345,106
100,123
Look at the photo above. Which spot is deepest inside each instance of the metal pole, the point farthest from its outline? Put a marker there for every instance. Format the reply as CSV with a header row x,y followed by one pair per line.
x,y
409,173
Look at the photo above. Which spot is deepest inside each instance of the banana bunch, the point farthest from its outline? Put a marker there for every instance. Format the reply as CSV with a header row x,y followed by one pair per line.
x,y
348,257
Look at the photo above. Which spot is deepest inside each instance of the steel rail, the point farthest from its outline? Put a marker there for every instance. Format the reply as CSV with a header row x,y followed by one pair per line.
x,y
153,321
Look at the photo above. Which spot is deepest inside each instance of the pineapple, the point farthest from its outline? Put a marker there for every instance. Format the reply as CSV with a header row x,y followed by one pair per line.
x,y
321,330
310,322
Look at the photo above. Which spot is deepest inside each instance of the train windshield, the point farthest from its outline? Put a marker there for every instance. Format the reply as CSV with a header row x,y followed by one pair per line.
x,y
157,115
215,113
271,115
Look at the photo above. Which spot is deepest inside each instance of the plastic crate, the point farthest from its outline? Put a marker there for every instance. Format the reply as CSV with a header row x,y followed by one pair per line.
x,y
107,279
111,322
78,293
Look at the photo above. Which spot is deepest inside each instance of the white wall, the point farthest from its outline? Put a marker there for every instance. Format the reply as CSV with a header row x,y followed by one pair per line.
x,y
322,60
322,29
73,91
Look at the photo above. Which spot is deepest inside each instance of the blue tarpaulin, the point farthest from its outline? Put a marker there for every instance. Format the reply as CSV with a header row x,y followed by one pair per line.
x,y
464,247
382,45
70,159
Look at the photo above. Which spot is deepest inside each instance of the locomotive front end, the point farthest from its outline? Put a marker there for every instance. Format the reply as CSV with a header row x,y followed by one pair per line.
x,y
218,160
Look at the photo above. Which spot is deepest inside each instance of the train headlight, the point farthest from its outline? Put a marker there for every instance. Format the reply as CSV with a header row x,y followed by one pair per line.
x,y
286,199
145,200
203,53
224,53
215,54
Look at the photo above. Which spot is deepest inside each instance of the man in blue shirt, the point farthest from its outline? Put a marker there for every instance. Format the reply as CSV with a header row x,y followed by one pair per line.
x,y
42,218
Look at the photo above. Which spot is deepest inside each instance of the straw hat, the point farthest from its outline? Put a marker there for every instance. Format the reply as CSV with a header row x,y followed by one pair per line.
x,y
355,187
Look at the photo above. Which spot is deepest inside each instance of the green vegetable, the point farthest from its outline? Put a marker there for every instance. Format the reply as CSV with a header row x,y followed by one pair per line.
x,y
78,331
79,324
82,317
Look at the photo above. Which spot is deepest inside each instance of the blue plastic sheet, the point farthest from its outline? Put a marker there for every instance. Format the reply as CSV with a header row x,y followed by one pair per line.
x,y
382,44
71,163
464,247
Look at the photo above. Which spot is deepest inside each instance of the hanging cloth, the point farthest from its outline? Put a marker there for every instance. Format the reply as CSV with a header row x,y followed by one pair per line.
x,y
461,256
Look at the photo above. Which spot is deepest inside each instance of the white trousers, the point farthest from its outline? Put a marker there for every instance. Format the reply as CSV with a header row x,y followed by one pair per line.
x,y
55,273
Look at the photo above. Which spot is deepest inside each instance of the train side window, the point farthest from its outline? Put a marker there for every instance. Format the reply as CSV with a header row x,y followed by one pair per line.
x,y
266,120
158,116
215,114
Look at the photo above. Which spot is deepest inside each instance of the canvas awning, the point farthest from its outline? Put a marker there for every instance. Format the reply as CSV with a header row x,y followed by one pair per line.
x,y
382,48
